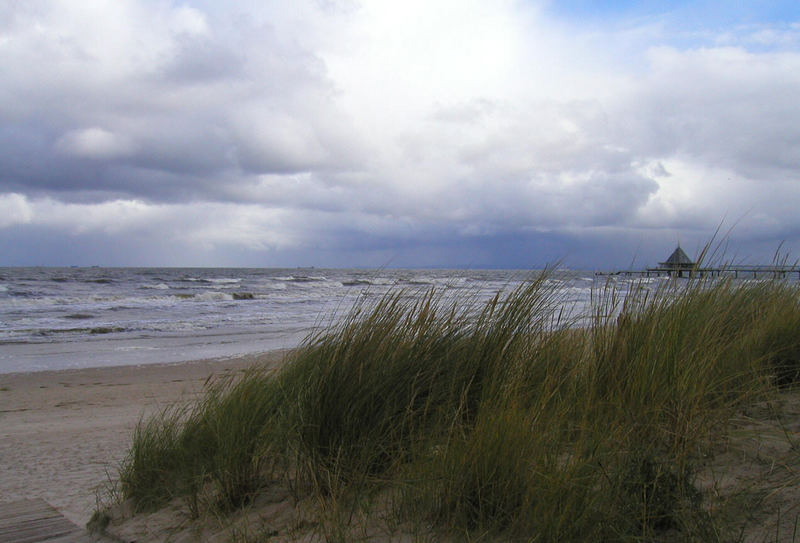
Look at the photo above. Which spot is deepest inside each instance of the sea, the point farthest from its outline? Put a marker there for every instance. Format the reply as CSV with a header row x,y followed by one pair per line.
x,y
61,318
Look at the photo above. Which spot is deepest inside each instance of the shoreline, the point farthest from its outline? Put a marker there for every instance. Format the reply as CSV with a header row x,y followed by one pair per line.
x,y
63,432
113,352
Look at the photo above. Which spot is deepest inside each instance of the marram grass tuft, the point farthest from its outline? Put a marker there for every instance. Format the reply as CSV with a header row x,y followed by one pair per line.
x,y
503,418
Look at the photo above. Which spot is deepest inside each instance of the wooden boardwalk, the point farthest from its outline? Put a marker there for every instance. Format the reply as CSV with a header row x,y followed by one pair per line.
x,y
35,521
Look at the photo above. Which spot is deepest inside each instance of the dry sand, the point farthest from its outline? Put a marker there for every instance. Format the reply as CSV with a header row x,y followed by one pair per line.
x,y
62,432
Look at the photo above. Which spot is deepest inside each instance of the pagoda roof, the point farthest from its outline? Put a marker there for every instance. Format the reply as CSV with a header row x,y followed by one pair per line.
x,y
678,259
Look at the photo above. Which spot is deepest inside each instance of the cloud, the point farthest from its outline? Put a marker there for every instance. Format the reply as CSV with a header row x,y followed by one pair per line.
x,y
202,226
14,210
360,125
94,143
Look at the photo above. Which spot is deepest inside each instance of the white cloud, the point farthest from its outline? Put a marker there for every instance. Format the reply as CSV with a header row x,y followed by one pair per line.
x,y
14,210
95,143
187,20
202,226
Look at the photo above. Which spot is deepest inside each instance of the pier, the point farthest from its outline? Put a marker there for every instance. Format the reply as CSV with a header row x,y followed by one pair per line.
x,y
754,272
680,265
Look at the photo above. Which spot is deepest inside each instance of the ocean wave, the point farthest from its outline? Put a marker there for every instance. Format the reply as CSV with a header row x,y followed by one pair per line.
x,y
301,278
276,286
90,304
356,283
378,281
91,330
420,281
212,280
17,292
106,330
164,302
213,296
159,286
451,282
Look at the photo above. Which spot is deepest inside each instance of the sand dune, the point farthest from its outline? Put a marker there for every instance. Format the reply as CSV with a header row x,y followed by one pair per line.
x,y
62,432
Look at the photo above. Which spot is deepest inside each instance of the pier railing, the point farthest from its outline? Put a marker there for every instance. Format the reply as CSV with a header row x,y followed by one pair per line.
x,y
735,271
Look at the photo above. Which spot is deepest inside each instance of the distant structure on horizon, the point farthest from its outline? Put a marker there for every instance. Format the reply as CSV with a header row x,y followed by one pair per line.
x,y
678,262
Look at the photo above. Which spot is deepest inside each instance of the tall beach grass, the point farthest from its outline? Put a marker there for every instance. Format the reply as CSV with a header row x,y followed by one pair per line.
x,y
502,418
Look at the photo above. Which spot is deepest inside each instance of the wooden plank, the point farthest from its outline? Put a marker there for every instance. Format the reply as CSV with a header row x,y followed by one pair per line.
x,y
10,510
34,507
35,521
26,516
31,532
39,534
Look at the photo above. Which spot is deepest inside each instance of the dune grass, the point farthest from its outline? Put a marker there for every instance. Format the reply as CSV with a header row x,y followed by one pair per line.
x,y
502,419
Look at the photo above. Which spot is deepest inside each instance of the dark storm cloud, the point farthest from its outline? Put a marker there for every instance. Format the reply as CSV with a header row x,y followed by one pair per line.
x,y
344,129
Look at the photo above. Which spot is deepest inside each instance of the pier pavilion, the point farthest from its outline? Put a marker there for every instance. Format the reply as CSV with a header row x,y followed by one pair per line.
x,y
680,265
677,263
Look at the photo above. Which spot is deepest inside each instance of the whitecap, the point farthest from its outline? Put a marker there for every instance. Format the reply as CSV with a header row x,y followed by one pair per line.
x,y
213,296
449,282
278,286
357,282
159,286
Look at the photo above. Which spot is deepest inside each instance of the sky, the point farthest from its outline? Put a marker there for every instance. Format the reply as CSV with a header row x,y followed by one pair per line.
x,y
423,133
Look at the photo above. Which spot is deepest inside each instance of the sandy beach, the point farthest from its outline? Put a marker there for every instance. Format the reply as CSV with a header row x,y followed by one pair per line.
x,y
62,432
